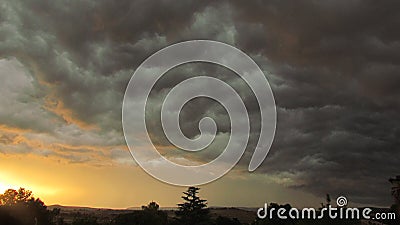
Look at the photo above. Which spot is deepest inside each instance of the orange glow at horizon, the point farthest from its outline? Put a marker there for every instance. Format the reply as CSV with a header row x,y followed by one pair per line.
x,y
122,186
8,181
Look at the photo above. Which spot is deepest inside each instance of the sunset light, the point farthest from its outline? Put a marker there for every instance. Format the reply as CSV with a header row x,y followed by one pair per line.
x,y
114,112
3,187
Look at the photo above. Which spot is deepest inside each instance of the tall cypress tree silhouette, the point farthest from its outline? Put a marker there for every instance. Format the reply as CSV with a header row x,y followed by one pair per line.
x,y
194,209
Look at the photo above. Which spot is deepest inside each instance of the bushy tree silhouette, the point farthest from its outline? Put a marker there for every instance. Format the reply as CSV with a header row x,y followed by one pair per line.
x,y
12,197
194,209
150,215
23,208
152,206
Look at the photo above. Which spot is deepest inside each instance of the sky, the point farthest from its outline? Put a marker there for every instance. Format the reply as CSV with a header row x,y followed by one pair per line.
x,y
333,68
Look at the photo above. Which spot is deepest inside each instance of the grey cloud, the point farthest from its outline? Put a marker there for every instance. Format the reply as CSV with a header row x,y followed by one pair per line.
x,y
21,103
333,68
335,78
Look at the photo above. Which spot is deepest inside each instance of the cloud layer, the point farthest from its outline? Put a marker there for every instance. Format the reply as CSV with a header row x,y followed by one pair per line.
x,y
333,67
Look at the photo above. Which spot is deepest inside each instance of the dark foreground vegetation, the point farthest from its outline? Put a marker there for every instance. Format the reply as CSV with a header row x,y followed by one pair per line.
x,y
19,207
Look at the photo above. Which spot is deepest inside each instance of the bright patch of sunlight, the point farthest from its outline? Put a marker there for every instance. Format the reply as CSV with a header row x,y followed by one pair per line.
x,y
5,186
11,182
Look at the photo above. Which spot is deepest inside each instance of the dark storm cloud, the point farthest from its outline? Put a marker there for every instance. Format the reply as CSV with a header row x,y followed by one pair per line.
x,y
337,89
88,49
333,66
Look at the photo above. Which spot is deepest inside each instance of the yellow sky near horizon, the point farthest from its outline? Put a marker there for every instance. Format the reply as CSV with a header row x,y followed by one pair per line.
x,y
122,186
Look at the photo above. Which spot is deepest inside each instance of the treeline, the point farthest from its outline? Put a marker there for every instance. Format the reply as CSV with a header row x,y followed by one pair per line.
x,y
19,207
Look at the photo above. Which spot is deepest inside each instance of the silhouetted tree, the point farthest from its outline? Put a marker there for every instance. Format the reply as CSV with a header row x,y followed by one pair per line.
x,y
328,200
12,197
152,206
396,189
150,215
26,209
194,209
7,218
